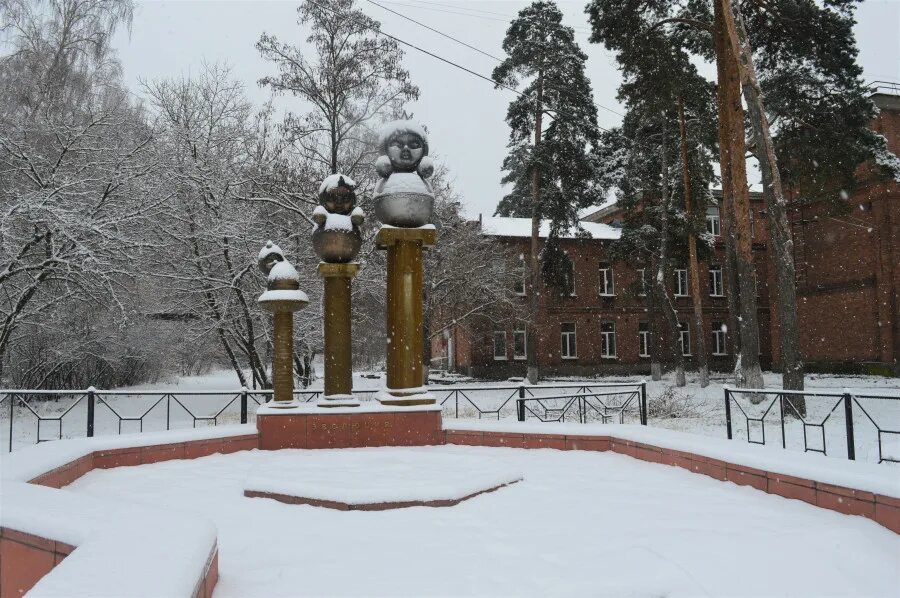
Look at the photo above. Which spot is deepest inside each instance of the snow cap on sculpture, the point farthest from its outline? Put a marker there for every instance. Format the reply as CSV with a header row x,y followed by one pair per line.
x,y
403,197
283,292
336,235
268,256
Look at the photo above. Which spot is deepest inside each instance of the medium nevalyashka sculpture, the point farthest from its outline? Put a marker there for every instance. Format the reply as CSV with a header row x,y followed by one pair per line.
x,y
337,237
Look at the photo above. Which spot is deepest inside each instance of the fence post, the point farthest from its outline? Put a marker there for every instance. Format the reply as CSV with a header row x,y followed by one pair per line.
x,y
644,412
12,412
848,415
244,404
781,410
520,409
90,411
728,412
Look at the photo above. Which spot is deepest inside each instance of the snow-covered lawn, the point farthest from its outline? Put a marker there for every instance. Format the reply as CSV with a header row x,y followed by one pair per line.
x,y
689,409
580,523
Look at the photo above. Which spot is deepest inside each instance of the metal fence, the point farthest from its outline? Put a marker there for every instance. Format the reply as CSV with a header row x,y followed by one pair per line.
x,y
40,415
601,403
822,416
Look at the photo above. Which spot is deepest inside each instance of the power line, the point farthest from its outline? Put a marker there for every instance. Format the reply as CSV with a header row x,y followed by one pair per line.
x,y
436,31
480,51
379,31
506,17
450,12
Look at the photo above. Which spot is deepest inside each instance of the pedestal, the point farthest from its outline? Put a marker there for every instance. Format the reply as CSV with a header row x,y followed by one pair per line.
x,y
371,424
338,345
282,359
405,342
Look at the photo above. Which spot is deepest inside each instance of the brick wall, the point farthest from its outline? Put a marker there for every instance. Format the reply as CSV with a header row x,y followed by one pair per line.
x,y
848,284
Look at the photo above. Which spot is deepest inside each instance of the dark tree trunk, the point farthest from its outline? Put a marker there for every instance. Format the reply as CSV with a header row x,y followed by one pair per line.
x,y
734,187
702,361
667,308
782,241
531,346
654,326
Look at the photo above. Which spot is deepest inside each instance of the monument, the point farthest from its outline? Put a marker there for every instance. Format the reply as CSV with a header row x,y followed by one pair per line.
x,y
336,240
282,297
405,414
404,202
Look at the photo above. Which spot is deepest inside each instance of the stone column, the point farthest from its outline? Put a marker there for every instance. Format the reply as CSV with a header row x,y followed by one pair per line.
x,y
338,345
282,357
404,313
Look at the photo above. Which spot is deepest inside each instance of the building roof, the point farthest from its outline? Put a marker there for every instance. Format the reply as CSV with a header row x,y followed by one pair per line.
x,y
521,227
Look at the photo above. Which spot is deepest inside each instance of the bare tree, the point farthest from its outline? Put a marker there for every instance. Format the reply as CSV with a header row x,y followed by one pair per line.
x,y
354,82
207,132
75,162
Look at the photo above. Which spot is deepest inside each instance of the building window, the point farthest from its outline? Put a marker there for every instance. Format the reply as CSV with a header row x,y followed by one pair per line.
x,y
718,337
685,331
520,344
520,281
607,286
608,339
499,344
716,286
643,339
681,283
713,222
568,287
569,347
642,273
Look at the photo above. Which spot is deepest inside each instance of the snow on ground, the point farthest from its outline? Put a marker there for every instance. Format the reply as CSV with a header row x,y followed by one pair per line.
x,y
690,409
580,523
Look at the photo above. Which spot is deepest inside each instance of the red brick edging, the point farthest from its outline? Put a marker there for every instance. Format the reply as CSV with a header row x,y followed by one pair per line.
x,y
373,506
884,510
26,558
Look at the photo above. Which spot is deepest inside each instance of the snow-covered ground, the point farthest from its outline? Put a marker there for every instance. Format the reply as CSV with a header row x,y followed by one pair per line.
x,y
691,409
580,523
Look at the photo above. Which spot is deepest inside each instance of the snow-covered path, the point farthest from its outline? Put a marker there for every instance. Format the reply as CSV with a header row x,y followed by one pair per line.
x,y
580,523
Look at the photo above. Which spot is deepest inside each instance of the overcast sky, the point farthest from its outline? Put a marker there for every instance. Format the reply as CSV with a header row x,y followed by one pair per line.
x,y
464,114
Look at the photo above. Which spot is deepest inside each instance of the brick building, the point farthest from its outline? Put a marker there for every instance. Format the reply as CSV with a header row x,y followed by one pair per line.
x,y
848,282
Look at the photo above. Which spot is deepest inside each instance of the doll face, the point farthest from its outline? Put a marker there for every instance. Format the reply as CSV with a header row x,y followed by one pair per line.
x,y
267,263
339,200
405,151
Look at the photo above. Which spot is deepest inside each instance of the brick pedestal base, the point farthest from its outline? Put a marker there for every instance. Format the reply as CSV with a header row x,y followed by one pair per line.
x,y
371,424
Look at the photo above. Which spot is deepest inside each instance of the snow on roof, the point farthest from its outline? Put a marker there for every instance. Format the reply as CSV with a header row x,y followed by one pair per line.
x,y
521,227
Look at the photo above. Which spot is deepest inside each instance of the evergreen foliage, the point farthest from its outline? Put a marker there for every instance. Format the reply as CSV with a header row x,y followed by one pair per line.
x,y
542,50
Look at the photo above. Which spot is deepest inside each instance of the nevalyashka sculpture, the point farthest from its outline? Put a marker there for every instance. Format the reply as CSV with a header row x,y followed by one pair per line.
x,y
403,197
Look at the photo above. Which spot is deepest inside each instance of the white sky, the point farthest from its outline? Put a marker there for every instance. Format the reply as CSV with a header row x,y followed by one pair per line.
x,y
464,114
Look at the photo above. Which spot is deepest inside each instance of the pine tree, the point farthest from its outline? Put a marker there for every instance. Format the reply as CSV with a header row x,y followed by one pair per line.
x,y
551,168
811,131
670,169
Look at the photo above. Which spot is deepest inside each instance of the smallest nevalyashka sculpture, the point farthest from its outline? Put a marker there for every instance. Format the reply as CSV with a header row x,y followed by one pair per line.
x,y
336,236
403,197
283,292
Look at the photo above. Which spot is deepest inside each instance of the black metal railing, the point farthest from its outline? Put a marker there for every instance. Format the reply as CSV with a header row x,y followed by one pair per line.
x,y
849,412
595,403
79,413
